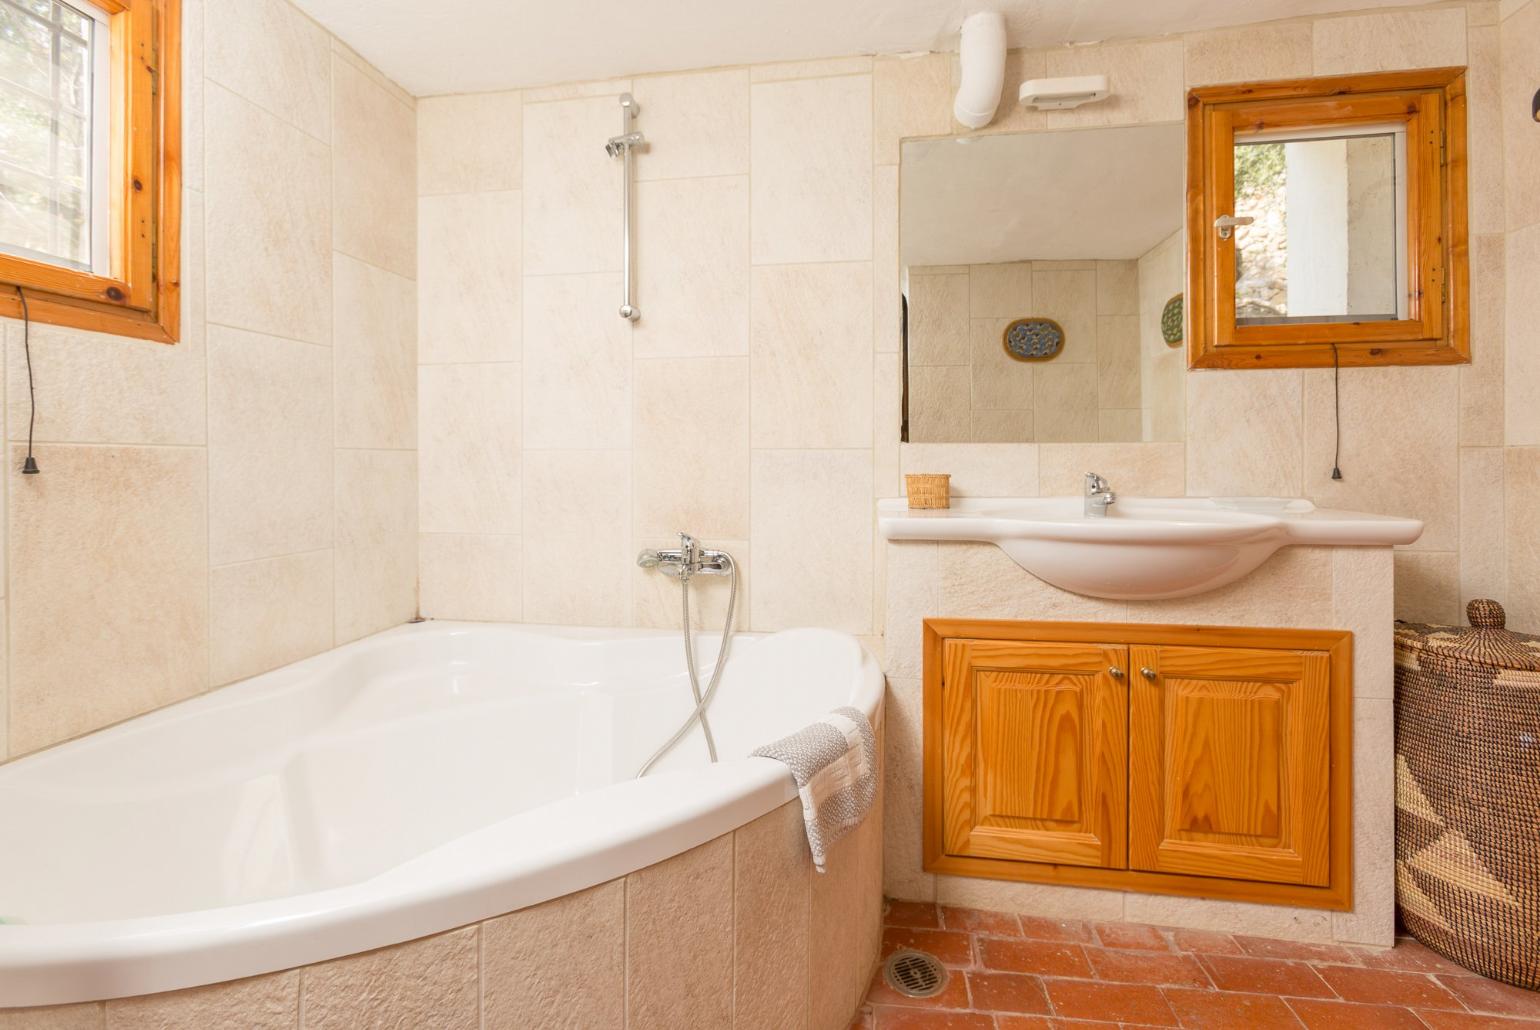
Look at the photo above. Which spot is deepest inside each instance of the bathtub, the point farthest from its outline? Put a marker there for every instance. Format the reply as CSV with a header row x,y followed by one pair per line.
x,y
425,779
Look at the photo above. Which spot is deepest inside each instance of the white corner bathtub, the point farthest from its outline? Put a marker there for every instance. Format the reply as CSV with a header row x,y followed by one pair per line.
x,y
397,787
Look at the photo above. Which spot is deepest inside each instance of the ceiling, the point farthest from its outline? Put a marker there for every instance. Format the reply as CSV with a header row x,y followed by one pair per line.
x,y
1043,196
471,46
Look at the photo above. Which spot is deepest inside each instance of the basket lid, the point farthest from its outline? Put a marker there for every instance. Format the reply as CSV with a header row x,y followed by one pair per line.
x,y
1486,642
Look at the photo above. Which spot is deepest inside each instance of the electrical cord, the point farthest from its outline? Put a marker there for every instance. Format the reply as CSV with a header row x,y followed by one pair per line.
x,y
29,466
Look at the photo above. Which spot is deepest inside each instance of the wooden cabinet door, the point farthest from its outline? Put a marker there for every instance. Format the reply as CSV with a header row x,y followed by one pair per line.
x,y
1035,751
1230,763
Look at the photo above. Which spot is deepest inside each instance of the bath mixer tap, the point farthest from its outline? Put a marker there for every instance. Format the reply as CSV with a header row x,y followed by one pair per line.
x,y
1098,496
689,560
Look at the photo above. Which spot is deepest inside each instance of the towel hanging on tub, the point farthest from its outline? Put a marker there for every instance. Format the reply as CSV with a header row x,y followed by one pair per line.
x,y
834,762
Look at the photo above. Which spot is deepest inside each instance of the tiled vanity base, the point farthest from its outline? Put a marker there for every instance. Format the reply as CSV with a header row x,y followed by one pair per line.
x,y
739,932
1341,588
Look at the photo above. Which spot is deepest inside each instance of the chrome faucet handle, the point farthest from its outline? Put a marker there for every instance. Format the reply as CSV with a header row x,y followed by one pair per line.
x,y
1095,484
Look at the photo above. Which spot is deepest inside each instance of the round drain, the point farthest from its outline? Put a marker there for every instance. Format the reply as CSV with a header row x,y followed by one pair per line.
x,y
914,974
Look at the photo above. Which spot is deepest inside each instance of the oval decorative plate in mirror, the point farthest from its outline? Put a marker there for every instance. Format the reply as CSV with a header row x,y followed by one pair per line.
x,y
1034,339
1171,322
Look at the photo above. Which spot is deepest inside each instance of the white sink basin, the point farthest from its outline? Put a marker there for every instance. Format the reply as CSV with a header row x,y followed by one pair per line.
x,y
1146,548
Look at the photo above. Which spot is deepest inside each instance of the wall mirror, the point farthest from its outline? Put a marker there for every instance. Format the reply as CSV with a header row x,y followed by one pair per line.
x,y
1042,278
1329,222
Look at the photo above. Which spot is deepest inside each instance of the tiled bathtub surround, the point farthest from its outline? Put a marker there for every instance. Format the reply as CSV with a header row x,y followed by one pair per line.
x,y
739,932
247,497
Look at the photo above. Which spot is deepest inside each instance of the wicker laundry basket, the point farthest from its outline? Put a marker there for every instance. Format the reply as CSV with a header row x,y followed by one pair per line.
x,y
1468,793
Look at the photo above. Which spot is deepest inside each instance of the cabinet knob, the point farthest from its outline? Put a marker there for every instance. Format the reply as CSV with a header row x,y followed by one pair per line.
x,y
1147,672
1115,672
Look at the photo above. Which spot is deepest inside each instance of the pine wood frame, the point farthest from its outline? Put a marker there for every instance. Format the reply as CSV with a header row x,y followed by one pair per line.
x,y
140,295
1337,645
1437,330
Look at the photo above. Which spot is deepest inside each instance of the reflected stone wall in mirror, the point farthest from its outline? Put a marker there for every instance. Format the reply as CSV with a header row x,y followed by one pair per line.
x,y
1080,227
1327,241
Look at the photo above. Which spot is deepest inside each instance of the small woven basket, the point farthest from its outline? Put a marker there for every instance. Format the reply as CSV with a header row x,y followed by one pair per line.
x,y
1468,793
928,490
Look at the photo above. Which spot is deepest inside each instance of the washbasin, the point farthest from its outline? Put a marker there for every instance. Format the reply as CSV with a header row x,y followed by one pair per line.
x,y
1144,548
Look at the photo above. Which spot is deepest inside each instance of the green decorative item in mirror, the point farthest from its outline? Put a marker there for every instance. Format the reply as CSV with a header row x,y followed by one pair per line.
x,y
1171,321
1033,339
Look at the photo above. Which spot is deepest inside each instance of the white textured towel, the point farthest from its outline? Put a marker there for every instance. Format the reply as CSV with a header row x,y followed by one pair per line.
x,y
834,762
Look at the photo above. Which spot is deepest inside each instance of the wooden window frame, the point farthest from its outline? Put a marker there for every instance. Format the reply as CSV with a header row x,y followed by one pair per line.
x,y
140,295
1436,330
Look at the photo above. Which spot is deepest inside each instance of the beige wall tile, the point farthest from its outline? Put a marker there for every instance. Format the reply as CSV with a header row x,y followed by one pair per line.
x,y
267,613
1142,470
1521,345
1117,288
938,404
577,363
1292,588
887,420
836,987
1124,425
571,196
1428,586
978,470
811,343
194,22
428,982
818,68
997,380
692,267
260,1003
469,448
1483,555
887,292
1064,405
270,446
470,289
938,319
610,88
110,546
811,179
696,124
1000,290
655,600
1481,382
1117,361
1020,65
1373,919
771,875
912,582
903,871
1252,53
1293,924
470,143
691,448
374,172
812,510
1520,47
269,236
1390,41
560,964
87,1016
274,56
1245,434
94,388
679,949
981,581
1481,13
1521,488
1069,298
577,502
374,348
1006,426
1484,130
1363,602
1400,446
1146,81
379,78
471,576
1036,899
911,96
376,541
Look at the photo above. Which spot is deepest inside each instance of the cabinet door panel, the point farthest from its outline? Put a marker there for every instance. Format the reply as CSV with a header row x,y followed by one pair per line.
x,y
1035,752
1231,764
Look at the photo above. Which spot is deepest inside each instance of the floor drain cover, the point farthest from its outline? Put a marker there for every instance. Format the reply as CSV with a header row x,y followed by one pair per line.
x,y
914,974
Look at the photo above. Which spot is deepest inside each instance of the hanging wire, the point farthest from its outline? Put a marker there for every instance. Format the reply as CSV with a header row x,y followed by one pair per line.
x,y
1336,400
29,466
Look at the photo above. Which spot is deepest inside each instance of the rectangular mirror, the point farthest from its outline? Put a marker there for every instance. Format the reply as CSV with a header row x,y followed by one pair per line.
x,y
1042,278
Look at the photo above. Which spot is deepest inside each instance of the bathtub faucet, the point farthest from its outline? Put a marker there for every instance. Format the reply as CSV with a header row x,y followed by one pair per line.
x,y
689,560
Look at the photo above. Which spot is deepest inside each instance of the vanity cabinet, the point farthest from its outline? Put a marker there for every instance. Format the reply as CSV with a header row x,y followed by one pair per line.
x,y
1205,761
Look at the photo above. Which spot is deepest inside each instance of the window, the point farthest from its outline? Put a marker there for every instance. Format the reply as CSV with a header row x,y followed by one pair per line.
x,y
89,149
1327,222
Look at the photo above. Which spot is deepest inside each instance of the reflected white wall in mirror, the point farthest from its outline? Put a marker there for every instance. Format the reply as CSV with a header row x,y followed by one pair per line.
x,y
1079,227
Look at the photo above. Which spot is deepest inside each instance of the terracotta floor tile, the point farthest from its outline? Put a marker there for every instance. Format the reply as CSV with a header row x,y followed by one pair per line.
x,y
1410,956
953,996
1203,1010
1318,1014
1069,930
1262,947
1482,995
926,1019
1265,976
1205,941
1131,935
950,946
1448,1019
1007,992
1387,987
976,920
1048,958
920,914
1124,1003
1147,967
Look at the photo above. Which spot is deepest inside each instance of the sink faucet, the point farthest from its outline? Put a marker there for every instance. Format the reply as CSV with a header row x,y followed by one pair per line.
x,y
1098,496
